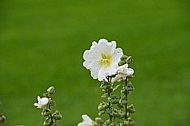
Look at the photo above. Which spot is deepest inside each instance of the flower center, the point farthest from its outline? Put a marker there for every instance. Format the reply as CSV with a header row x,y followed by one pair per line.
x,y
105,60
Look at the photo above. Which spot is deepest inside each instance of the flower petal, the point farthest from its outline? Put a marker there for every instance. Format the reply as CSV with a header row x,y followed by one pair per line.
x,y
87,64
86,118
130,71
83,124
44,101
87,121
38,98
107,47
117,55
105,71
35,104
94,68
90,56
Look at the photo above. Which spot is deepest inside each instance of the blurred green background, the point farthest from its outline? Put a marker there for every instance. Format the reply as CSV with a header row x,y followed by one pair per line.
x,y
42,42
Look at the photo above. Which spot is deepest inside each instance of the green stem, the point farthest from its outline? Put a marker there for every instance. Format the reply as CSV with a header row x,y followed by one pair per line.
x,y
126,95
109,94
51,117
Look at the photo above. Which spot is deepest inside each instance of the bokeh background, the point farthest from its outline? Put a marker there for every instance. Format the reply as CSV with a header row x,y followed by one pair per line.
x,y
42,42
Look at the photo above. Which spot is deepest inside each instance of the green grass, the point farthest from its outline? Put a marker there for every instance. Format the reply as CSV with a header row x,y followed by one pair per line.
x,y
42,42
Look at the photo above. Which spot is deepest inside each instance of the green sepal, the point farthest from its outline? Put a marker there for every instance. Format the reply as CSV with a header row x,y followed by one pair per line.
x,y
105,95
101,112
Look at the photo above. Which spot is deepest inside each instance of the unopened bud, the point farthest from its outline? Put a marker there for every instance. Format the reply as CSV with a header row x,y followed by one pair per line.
x,y
122,63
99,120
46,112
103,106
2,118
123,101
101,112
51,90
48,122
131,108
124,57
129,122
125,60
57,115
129,60
113,100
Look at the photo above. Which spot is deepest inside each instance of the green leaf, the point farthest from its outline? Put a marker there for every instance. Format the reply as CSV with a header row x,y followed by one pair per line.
x,y
116,87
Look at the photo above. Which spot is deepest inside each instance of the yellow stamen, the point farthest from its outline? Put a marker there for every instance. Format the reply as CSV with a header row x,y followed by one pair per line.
x,y
105,60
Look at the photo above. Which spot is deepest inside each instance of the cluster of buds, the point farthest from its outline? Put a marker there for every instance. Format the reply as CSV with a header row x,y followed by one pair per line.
x,y
2,117
116,106
46,103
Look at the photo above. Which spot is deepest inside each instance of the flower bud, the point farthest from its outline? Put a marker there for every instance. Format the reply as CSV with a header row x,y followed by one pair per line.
x,y
101,112
125,60
129,122
131,108
46,112
103,106
107,123
124,57
122,114
52,103
130,87
123,101
48,122
123,90
51,90
98,120
129,60
57,115
2,119
113,112
113,100
122,63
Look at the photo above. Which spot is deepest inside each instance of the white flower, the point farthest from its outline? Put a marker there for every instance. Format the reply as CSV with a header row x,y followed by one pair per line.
x,y
87,121
122,72
102,59
42,102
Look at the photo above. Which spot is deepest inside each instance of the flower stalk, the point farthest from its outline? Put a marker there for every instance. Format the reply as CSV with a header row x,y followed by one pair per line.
x,y
114,75
46,104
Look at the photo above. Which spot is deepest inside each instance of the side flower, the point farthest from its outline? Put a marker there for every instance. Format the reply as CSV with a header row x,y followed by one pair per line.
x,y
87,121
102,59
42,102
123,72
